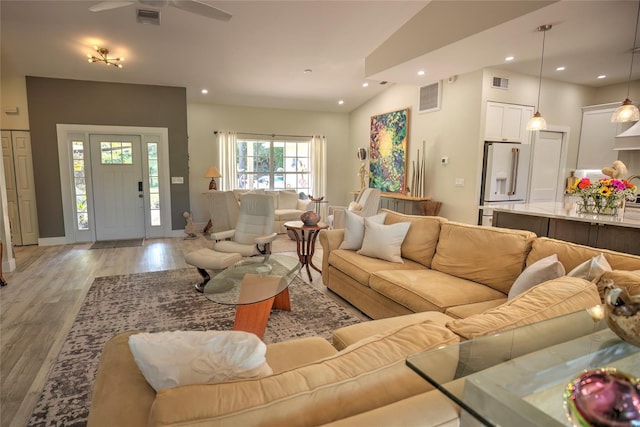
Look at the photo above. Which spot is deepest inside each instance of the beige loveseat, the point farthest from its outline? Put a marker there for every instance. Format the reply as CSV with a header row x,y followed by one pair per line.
x,y
288,206
452,268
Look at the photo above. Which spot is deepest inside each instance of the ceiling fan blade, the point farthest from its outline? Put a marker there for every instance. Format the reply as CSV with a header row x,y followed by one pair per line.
x,y
201,8
106,5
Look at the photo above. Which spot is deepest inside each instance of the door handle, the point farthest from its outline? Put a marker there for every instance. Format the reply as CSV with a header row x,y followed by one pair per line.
x,y
515,154
140,188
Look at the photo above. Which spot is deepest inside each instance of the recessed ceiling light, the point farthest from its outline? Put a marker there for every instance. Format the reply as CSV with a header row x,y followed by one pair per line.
x,y
602,76
560,69
204,91
421,73
341,102
365,84
509,58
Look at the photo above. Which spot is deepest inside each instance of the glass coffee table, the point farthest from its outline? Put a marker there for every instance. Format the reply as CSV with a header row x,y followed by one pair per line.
x,y
517,377
255,286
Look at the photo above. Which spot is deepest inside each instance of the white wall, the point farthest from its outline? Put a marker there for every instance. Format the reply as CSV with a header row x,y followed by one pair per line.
x,y
456,131
451,132
203,120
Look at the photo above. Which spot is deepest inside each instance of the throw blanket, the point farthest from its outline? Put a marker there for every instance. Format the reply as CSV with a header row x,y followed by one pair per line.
x,y
170,359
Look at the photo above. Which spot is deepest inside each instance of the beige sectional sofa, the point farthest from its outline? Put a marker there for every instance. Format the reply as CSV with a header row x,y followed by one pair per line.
x,y
456,269
452,286
288,206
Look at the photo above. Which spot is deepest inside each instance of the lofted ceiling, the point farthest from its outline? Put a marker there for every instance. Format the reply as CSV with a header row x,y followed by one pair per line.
x,y
258,57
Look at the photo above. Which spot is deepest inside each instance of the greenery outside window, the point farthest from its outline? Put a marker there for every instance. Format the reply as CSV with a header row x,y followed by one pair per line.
x,y
273,165
80,186
154,183
116,153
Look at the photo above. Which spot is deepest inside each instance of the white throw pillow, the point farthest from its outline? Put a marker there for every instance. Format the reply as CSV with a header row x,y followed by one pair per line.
x,y
170,359
540,271
384,241
354,229
591,269
355,207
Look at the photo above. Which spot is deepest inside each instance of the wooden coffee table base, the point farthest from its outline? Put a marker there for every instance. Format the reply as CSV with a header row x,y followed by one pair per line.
x,y
253,317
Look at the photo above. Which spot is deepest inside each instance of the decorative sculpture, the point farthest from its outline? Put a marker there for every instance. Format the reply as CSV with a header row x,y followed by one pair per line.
x,y
363,173
189,229
617,171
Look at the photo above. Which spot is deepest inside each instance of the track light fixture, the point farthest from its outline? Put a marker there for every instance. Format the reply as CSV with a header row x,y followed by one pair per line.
x,y
104,57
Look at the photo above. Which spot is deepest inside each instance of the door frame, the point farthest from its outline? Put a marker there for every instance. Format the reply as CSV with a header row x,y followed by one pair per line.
x,y
66,133
563,172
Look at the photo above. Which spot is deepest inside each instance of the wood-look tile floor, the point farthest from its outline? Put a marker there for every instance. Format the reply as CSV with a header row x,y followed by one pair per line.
x,y
46,291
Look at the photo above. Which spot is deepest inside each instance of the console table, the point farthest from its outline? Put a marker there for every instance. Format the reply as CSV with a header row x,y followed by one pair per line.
x,y
399,202
517,377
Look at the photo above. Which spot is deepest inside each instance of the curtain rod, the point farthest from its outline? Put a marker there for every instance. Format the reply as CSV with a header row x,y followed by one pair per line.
x,y
272,135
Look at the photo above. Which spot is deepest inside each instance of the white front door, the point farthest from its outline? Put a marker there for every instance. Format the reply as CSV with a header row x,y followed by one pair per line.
x,y
116,169
546,167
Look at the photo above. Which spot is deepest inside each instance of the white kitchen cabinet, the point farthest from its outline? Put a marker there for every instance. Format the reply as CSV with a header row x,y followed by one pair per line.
x,y
597,137
507,122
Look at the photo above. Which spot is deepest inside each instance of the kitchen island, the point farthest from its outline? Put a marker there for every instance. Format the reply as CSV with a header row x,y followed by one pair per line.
x,y
561,221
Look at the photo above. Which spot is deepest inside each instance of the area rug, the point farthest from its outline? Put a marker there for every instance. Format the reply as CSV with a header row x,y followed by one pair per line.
x,y
109,244
159,301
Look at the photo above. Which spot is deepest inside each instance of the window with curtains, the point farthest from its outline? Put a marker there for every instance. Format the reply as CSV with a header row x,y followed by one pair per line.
x,y
273,164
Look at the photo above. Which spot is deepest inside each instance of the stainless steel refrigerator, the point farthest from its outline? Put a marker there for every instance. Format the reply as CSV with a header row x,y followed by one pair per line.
x,y
505,176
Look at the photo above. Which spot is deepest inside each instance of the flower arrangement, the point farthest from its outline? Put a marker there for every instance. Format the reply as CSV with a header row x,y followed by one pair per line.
x,y
603,196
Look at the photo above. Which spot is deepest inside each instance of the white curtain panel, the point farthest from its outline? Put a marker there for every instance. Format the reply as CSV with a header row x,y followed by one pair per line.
x,y
318,166
227,141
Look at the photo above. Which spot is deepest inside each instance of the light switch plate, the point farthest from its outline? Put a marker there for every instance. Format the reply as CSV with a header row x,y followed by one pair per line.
x,y
177,180
459,182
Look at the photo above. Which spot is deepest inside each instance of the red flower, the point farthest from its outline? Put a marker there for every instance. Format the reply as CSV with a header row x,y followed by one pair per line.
x,y
584,183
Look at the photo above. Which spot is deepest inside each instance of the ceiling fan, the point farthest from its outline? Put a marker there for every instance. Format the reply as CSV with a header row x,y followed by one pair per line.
x,y
194,6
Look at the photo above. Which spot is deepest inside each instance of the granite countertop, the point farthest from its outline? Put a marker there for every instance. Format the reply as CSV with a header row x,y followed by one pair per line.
x,y
630,217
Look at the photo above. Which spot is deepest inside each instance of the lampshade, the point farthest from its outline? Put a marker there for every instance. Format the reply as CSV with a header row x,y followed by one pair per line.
x,y
628,112
212,172
537,122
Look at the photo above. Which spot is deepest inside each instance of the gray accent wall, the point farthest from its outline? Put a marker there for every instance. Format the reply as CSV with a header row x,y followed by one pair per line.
x,y
60,101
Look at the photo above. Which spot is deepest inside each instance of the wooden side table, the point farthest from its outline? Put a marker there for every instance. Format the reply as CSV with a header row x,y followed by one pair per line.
x,y
305,236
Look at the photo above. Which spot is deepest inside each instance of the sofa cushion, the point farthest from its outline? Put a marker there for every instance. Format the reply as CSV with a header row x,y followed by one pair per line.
x,y
540,271
174,358
544,301
367,375
420,243
344,337
488,255
383,241
621,279
287,200
466,310
591,269
354,229
360,267
287,215
572,254
426,290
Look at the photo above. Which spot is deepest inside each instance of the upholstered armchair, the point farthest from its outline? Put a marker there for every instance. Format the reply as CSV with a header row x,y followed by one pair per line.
x,y
367,204
253,232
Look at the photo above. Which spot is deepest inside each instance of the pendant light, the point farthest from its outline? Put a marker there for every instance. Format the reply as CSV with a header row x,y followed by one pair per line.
x,y
537,122
628,112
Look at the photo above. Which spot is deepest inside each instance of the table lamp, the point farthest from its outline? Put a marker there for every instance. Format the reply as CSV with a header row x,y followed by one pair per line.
x,y
212,173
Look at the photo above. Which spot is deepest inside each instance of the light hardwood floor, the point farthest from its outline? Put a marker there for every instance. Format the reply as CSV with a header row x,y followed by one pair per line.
x,y
46,291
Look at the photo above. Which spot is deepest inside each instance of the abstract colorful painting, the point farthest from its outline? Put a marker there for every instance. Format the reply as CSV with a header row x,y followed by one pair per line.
x,y
388,142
